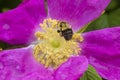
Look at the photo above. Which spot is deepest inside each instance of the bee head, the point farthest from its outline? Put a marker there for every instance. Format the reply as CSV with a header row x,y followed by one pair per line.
x,y
63,24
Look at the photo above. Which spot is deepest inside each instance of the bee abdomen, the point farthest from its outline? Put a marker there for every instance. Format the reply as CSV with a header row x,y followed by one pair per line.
x,y
67,34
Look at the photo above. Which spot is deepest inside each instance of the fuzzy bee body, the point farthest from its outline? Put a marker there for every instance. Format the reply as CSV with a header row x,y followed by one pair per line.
x,y
65,31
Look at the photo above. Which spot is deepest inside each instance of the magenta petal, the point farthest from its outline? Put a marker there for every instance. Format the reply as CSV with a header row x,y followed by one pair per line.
x,y
19,64
104,47
17,26
106,69
76,12
72,69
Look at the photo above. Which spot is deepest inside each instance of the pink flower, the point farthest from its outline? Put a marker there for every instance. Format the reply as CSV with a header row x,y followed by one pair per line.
x,y
99,48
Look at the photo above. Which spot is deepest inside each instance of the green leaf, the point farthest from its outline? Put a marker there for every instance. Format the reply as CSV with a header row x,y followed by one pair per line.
x,y
114,4
110,18
114,18
106,20
100,23
83,28
90,74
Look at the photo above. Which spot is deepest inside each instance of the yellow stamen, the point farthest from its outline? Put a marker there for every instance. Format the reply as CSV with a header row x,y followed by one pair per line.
x,y
1,49
53,49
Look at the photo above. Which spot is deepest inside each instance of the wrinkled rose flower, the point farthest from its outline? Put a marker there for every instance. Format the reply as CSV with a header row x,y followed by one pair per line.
x,y
56,51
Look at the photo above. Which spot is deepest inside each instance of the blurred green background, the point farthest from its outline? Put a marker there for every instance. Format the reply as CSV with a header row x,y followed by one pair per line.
x,y
110,18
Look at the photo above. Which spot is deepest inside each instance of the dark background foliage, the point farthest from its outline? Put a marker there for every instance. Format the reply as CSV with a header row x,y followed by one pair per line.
x,y
110,18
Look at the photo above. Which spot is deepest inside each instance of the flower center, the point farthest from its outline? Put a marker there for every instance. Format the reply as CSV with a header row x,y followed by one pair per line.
x,y
56,44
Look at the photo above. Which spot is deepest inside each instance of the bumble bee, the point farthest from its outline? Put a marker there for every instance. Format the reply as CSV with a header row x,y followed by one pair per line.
x,y
65,30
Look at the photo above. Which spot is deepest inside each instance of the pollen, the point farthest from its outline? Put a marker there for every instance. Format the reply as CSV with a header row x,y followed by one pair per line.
x,y
52,49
